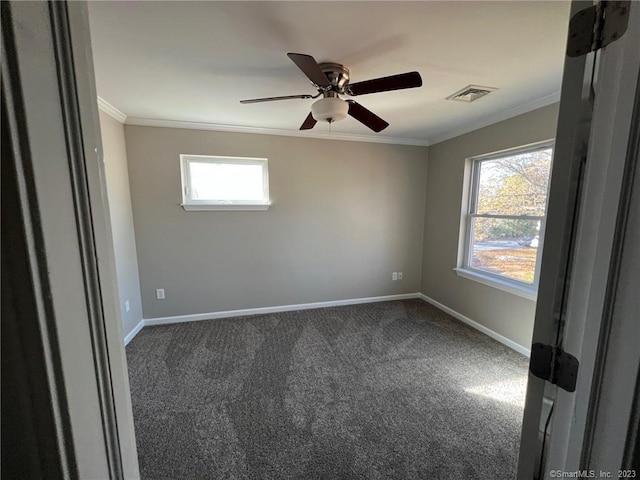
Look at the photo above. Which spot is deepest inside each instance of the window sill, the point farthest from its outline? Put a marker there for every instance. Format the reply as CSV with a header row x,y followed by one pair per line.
x,y
503,285
209,208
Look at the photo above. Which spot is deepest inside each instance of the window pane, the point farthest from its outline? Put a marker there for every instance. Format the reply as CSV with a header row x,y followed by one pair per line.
x,y
506,247
226,181
514,185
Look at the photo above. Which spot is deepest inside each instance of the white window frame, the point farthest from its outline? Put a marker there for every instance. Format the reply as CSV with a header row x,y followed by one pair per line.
x,y
465,269
191,204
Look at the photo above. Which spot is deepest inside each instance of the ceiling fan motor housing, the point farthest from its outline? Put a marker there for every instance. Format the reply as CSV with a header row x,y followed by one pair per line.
x,y
337,74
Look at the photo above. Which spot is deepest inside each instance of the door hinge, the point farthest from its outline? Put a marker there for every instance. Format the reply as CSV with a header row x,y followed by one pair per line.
x,y
597,26
554,365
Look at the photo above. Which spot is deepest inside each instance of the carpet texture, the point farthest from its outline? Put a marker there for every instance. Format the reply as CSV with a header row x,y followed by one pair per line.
x,y
393,390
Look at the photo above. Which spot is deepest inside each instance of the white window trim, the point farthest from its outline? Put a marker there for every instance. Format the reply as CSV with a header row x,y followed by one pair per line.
x,y
210,207
190,204
516,287
498,282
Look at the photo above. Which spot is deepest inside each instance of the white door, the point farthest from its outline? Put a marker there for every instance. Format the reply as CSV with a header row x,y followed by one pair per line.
x,y
585,305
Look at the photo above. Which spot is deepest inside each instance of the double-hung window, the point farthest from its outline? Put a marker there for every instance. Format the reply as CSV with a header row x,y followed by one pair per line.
x,y
224,183
505,221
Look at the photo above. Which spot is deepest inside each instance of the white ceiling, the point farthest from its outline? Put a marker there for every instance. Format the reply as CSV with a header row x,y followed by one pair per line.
x,y
194,61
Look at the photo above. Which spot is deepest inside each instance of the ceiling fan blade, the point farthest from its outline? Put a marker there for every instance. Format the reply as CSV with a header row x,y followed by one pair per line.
x,y
273,99
308,123
386,84
310,68
366,117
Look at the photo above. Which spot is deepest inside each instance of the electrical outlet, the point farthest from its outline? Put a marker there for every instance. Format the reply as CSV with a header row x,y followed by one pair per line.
x,y
127,307
394,276
160,293
399,275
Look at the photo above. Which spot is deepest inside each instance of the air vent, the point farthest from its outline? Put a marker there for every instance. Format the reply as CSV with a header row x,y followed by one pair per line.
x,y
471,93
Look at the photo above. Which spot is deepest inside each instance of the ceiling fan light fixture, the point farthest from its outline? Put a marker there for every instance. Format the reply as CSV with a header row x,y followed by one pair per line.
x,y
330,109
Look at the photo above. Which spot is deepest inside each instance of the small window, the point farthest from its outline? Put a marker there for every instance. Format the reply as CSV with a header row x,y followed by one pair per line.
x,y
224,183
506,218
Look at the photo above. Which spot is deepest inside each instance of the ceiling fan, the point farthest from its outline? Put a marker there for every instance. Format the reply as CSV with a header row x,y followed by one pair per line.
x,y
331,81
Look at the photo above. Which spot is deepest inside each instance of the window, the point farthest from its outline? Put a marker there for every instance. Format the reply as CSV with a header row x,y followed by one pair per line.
x,y
224,183
505,222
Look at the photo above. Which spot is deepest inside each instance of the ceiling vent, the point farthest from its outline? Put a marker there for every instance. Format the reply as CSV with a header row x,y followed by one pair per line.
x,y
471,93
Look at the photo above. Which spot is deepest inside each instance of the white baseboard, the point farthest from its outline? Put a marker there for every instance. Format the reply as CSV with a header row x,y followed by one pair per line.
x,y
134,332
487,331
282,308
335,303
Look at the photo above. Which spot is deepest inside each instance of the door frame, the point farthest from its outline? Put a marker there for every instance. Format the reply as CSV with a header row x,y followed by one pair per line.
x,y
573,315
595,271
59,191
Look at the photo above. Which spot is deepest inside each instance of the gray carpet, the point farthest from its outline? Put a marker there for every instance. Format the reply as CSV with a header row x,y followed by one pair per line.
x,y
393,390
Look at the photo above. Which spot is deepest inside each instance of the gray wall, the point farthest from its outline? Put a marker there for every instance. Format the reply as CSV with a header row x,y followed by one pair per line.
x,y
344,215
502,312
124,241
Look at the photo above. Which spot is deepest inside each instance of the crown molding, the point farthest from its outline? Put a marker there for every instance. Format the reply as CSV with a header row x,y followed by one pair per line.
x,y
497,117
152,122
110,110
470,127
